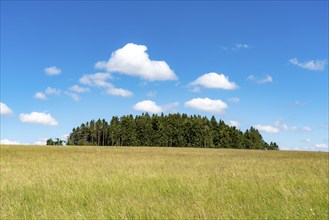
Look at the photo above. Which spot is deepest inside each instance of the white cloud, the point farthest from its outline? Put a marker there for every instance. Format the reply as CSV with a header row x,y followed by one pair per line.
x,y
308,140
267,128
48,91
195,89
151,94
234,99
266,79
96,79
207,105
74,96
170,106
64,137
133,60
40,141
321,145
100,80
147,106
78,89
325,126
152,107
237,46
53,70
234,123
314,65
40,95
52,91
38,118
5,110
111,90
241,46
284,127
307,129
298,103
11,142
214,81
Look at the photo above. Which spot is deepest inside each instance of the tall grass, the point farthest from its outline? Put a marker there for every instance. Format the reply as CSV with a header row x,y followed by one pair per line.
x,y
162,183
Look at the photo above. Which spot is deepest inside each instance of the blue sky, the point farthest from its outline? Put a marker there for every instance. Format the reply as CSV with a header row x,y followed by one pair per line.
x,y
261,64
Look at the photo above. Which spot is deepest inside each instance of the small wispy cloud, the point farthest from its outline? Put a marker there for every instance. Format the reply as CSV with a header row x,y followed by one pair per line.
x,y
5,110
307,129
52,71
78,89
242,46
260,80
298,103
48,91
234,123
40,95
322,145
237,46
74,96
267,128
234,100
100,80
151,94
313,65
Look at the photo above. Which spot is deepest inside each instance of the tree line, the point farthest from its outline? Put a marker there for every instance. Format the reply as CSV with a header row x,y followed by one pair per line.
x,y
172,130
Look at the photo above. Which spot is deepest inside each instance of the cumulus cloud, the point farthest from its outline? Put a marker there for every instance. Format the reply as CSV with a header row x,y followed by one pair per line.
x,y
5,110
267,128
78,89
314,65
152,107
207,105
52,71
100,80
263,80
234,123
147,106
38,118
214,81
133,60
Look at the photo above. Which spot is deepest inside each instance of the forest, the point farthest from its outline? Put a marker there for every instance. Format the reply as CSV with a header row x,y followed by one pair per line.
x,y
172,130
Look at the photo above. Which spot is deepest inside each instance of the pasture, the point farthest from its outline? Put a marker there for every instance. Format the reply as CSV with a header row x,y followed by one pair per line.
x,y
161,183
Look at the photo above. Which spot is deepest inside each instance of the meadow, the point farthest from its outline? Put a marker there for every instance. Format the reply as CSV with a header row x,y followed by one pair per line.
x,y
162,183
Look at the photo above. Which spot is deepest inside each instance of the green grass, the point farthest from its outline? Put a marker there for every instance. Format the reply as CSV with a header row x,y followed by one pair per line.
x,y
162,183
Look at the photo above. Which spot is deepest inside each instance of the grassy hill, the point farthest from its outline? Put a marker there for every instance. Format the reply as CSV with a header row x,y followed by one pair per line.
x,y
161,183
